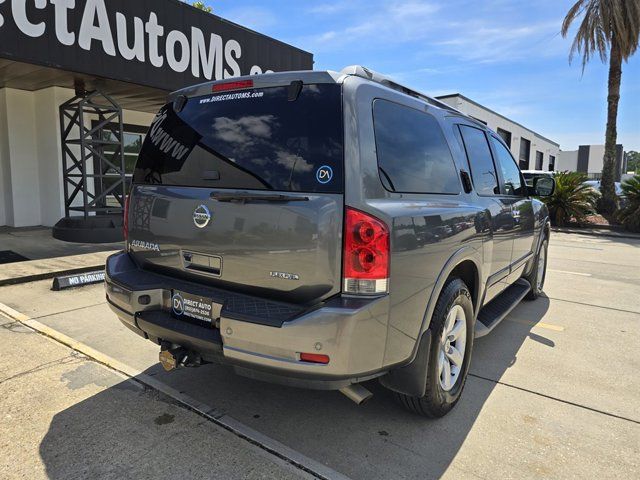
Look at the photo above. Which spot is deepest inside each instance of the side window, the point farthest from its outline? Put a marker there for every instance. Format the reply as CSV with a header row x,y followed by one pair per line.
x,y
510,171
413,154
483,171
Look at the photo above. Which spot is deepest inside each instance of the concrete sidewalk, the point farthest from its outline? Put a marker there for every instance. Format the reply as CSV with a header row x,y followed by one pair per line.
x,y
64,416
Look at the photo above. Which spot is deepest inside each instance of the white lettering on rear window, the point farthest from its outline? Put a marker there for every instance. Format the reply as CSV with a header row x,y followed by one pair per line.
x,y
232,96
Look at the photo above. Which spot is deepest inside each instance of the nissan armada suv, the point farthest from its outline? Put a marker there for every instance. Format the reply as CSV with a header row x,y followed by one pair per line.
x,y
322,229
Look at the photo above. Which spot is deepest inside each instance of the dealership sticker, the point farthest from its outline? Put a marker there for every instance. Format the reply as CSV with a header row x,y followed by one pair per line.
x,y
185,304
324,174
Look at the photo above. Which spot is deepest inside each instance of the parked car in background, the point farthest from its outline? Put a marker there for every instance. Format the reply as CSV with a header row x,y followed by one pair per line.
x,y
322,229
595,184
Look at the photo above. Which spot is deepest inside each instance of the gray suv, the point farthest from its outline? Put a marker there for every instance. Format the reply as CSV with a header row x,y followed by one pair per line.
x,y
322,229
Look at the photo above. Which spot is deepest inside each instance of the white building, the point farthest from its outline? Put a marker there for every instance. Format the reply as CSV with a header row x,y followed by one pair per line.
x,y
58,165
589,159
532,150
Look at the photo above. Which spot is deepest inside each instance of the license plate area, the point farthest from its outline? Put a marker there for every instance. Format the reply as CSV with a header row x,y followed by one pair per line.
x,y
195,308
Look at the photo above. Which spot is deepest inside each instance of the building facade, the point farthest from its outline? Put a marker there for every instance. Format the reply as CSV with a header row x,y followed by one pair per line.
x,y
589,159
530,149
132,53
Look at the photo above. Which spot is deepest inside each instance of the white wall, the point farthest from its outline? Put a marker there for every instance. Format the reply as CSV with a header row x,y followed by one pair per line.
x,y
567,161
494,122
49,153
22,198
5,170
31,155
596,159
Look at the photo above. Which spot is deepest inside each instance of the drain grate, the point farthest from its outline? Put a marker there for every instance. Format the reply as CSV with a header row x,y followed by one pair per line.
x,y
9,256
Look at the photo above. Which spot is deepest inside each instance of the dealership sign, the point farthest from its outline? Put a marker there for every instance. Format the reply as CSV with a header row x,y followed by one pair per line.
x,y
159,43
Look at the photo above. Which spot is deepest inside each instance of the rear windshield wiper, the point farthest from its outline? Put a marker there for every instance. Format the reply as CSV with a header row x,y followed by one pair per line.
x,y
251,197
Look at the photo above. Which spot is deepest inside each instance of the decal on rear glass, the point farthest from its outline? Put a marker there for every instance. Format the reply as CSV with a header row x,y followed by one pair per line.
x,y
324,174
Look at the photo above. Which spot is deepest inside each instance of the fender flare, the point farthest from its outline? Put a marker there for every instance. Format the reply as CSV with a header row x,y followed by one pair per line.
x,y
411,378
545,226
463,254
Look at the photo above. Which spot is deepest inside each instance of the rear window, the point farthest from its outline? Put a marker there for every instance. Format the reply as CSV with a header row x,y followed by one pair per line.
x,y
253,139
413,154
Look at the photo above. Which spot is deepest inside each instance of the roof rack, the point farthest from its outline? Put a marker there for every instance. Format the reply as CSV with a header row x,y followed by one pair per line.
x,y
363,72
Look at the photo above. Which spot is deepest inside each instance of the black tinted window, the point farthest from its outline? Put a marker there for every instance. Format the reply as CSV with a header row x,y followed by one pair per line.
x,y
253,139
413,154
510,171
483,171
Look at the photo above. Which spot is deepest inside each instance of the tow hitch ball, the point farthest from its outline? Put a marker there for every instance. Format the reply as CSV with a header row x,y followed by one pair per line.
x,y
173,357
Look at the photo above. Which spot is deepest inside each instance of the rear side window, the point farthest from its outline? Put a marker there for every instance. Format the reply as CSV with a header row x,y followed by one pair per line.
x,y
253,139
483,171
413,154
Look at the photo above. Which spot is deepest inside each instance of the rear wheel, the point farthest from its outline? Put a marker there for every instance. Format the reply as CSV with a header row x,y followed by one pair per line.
x,y
452,340
539,273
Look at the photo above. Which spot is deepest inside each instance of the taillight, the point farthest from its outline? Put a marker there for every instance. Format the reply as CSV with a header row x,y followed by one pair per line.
x,y
236,85
125,219
366,254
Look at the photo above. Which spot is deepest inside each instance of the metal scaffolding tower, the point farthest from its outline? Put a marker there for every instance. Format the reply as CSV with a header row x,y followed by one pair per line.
x,y
93,169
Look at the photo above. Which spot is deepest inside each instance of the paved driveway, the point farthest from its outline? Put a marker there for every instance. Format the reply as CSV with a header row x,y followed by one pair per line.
x,y
554,391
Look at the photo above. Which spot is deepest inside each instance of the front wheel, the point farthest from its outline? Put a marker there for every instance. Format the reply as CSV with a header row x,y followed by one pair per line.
x,y
452,340
539,272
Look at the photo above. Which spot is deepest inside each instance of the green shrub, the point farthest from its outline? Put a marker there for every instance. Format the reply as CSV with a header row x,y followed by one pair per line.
x,y
572,199
630,215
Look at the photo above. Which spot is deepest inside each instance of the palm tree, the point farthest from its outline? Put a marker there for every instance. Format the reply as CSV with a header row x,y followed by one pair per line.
x,y
609,28
201,6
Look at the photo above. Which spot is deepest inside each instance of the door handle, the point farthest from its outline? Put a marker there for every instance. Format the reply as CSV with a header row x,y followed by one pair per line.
x,y
466,181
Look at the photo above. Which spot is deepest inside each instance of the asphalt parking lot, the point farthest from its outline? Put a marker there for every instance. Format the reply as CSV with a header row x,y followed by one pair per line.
x,y
554,392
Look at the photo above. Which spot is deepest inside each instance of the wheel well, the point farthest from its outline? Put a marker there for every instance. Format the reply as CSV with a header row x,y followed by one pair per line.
x,y
468,273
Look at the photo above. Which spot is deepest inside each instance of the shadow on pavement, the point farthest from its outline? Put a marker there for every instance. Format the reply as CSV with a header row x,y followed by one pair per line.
x,y
376,440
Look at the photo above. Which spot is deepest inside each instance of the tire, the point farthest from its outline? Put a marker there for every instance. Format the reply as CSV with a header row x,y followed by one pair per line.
x,y
539,271
438,400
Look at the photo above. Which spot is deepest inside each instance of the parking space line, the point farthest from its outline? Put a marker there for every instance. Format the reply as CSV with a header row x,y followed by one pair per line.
x,y
268,444
567,402
575,246
593,305
570,273
66,311
548,326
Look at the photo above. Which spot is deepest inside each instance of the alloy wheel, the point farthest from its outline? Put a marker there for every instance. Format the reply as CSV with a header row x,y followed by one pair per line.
x,y
452,347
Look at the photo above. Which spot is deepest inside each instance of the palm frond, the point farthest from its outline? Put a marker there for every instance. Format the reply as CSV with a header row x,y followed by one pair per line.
x,y
603,22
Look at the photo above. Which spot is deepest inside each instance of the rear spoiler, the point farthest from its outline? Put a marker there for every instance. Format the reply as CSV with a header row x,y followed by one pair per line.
x,y
264,80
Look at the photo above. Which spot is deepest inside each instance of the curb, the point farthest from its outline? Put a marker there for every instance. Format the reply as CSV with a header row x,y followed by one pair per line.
x,y
259,440
591,233
47,275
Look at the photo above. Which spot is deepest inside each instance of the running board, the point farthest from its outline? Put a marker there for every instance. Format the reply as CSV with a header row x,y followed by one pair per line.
x,y
498,308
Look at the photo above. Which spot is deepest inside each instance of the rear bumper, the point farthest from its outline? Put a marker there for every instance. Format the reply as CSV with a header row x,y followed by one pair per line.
x,y
351,331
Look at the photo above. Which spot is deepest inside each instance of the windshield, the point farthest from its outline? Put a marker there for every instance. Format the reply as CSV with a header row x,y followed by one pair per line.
x,y
253,139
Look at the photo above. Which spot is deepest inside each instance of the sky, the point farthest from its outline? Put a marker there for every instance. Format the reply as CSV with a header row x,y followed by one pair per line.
x,y
505,54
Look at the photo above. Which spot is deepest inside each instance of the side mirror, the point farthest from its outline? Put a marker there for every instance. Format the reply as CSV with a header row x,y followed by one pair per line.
x,y
544,186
